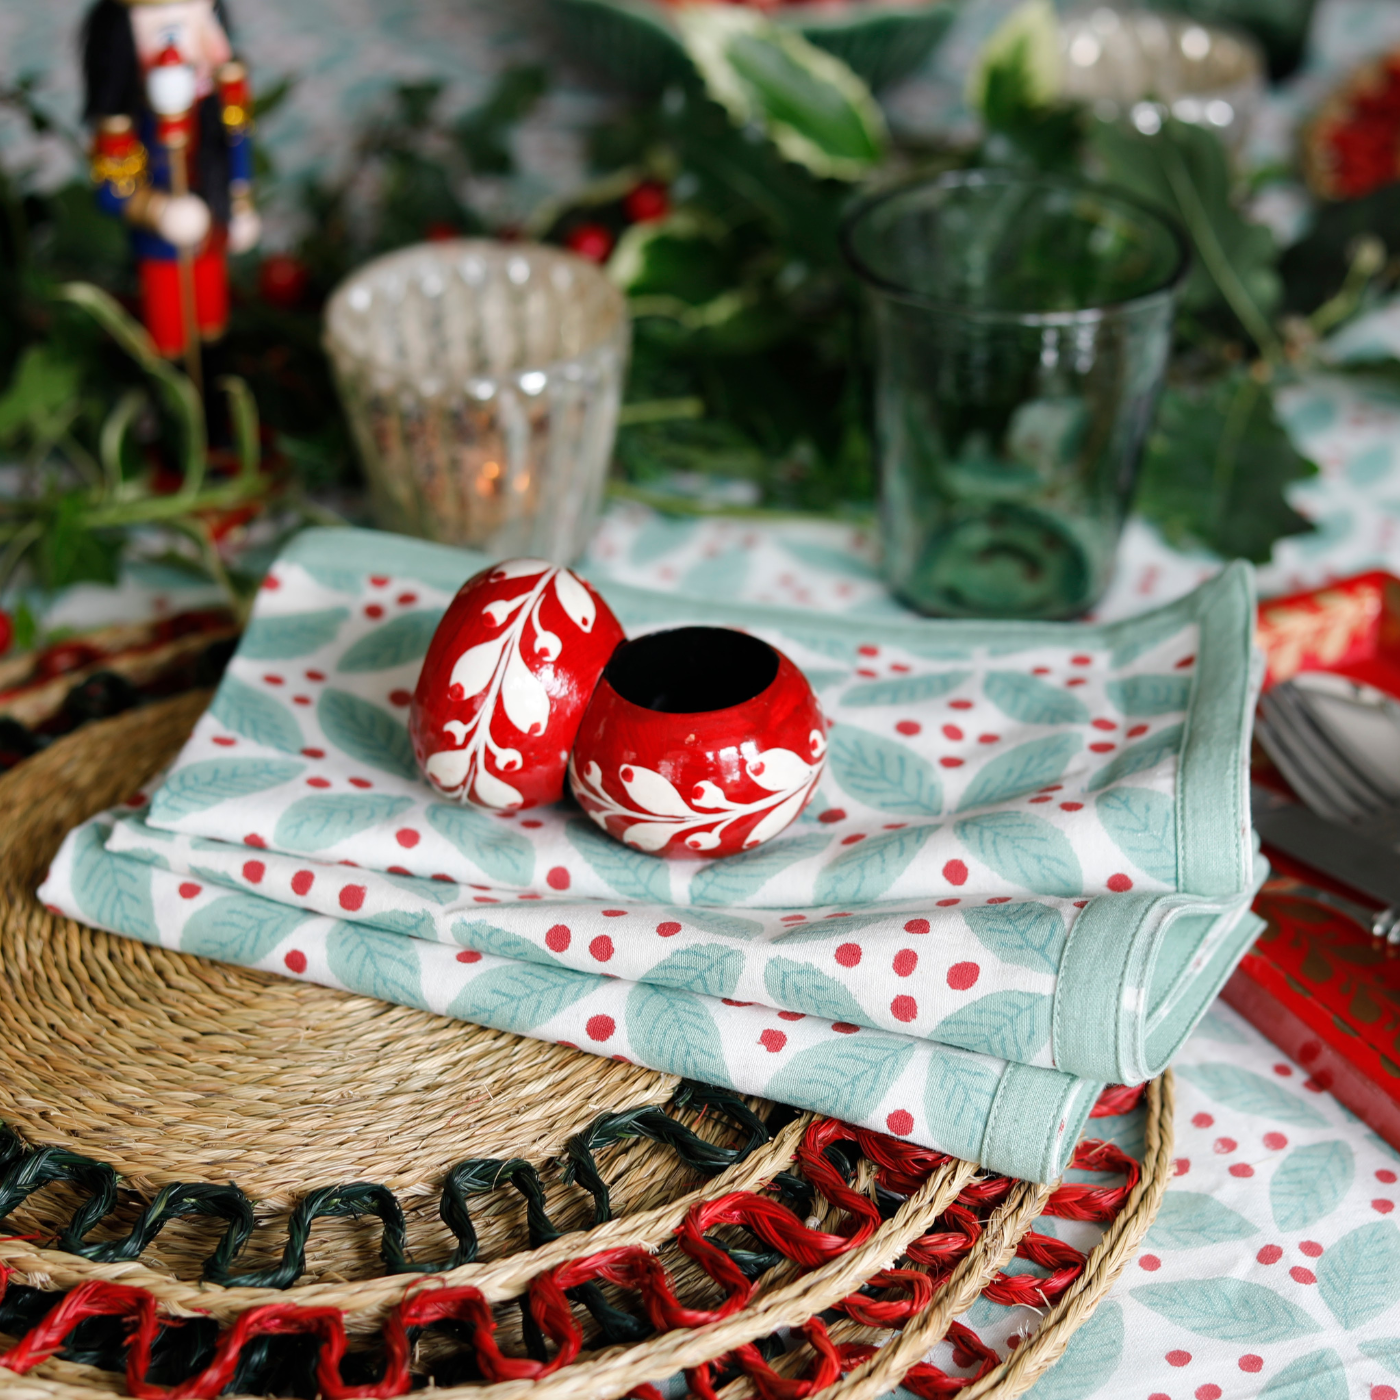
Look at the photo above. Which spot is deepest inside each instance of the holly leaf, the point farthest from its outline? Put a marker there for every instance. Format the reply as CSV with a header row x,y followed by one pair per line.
x,y
811,105
1216,467
1184,169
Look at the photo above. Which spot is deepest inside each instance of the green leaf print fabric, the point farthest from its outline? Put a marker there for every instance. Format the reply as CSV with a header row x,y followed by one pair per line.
x,y
1026,855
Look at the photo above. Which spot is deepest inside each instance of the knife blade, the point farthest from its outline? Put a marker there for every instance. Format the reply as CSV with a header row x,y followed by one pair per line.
x,y
1343,852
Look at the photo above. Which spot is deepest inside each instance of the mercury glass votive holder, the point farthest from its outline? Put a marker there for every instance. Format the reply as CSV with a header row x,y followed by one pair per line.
x,y
1136,64
1022,327
482,382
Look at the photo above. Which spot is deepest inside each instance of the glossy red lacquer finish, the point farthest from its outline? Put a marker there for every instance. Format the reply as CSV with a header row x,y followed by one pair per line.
x,y
503,687
701,784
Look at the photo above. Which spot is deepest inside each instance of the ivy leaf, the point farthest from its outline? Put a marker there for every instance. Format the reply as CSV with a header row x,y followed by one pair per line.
x,y
1359,1276
884,773
673,1031
633,874
396,643
707,968
794,986
324,819
1320,1375
1227,1310
521,996
1190,1219
1310,1183
1216,467
1027,933
1020,770
373,964
1010,1025
293,634
958,1099
366,732
1247,1092
811,105
846,1076
500,853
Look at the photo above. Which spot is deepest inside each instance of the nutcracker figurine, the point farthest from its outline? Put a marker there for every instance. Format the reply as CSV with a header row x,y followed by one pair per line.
x,y
172,155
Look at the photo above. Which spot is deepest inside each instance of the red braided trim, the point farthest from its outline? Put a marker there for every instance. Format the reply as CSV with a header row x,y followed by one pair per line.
x,y
903,1292
1118,1099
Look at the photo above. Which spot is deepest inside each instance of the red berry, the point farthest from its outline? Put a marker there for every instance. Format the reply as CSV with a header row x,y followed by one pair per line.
x,y
282,280
7,632
647,201
591,241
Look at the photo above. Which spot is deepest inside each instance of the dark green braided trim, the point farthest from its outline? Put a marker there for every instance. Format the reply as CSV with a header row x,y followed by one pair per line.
x,y
24,1171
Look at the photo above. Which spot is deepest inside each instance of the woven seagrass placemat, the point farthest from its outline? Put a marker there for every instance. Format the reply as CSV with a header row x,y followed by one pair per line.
x,y
171,1069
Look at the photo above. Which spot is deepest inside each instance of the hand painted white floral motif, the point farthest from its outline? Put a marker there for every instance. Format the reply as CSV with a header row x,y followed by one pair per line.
x,y
659,812
498,668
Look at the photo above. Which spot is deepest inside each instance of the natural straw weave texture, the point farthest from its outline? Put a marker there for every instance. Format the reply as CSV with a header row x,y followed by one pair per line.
x,y
171,1068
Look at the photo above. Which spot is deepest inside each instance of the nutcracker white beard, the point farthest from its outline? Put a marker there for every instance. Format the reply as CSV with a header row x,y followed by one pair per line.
x,y
192,27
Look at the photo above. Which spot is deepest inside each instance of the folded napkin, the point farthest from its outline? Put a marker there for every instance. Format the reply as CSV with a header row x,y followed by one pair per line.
x,y
1031,842
1012,1118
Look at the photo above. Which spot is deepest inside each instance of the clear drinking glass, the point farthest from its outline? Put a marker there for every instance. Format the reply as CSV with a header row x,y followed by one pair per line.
x,y
482,383
1022,324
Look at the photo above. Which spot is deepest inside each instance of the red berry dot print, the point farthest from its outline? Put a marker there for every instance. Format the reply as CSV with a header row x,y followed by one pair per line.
x,y
948,761
1270,1254
1241,1169
318,782
921,926
468,955
374,610
1202,1120
302,882
601,948
1178,1358
963,975
352,897
1383,1392
558,938
1385,1176
1180,1166
273,680
1301,1275
313,753
1150,1262
1119,884
848,954
772,1041
905,961
951,731
1102,748
1251,1363
1208,1391
407,838
904,1008
900,1122
253,871
1105,724
844,1028
1071,806
614,913
224,742
1225,1145
1283,1071
600,1027
960,704
1137,731
833,814
360,783
272,582
854,837
1382,1206
1081,660
955,872
669,929
1311,1248
400,698
189,889
868,650
910,727
558,878
1275,1142
253,839
296,961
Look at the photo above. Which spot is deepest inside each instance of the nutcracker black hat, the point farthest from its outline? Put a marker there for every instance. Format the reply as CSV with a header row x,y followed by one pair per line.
x,y
113,87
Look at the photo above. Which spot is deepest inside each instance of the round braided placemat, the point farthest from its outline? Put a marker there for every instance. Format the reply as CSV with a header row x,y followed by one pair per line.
x,y
172,1069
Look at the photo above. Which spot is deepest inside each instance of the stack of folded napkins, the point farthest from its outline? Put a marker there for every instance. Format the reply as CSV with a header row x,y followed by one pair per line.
x,y
1026,872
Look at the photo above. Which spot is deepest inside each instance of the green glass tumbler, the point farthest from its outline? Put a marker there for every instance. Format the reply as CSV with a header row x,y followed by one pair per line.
x,y
1022,324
